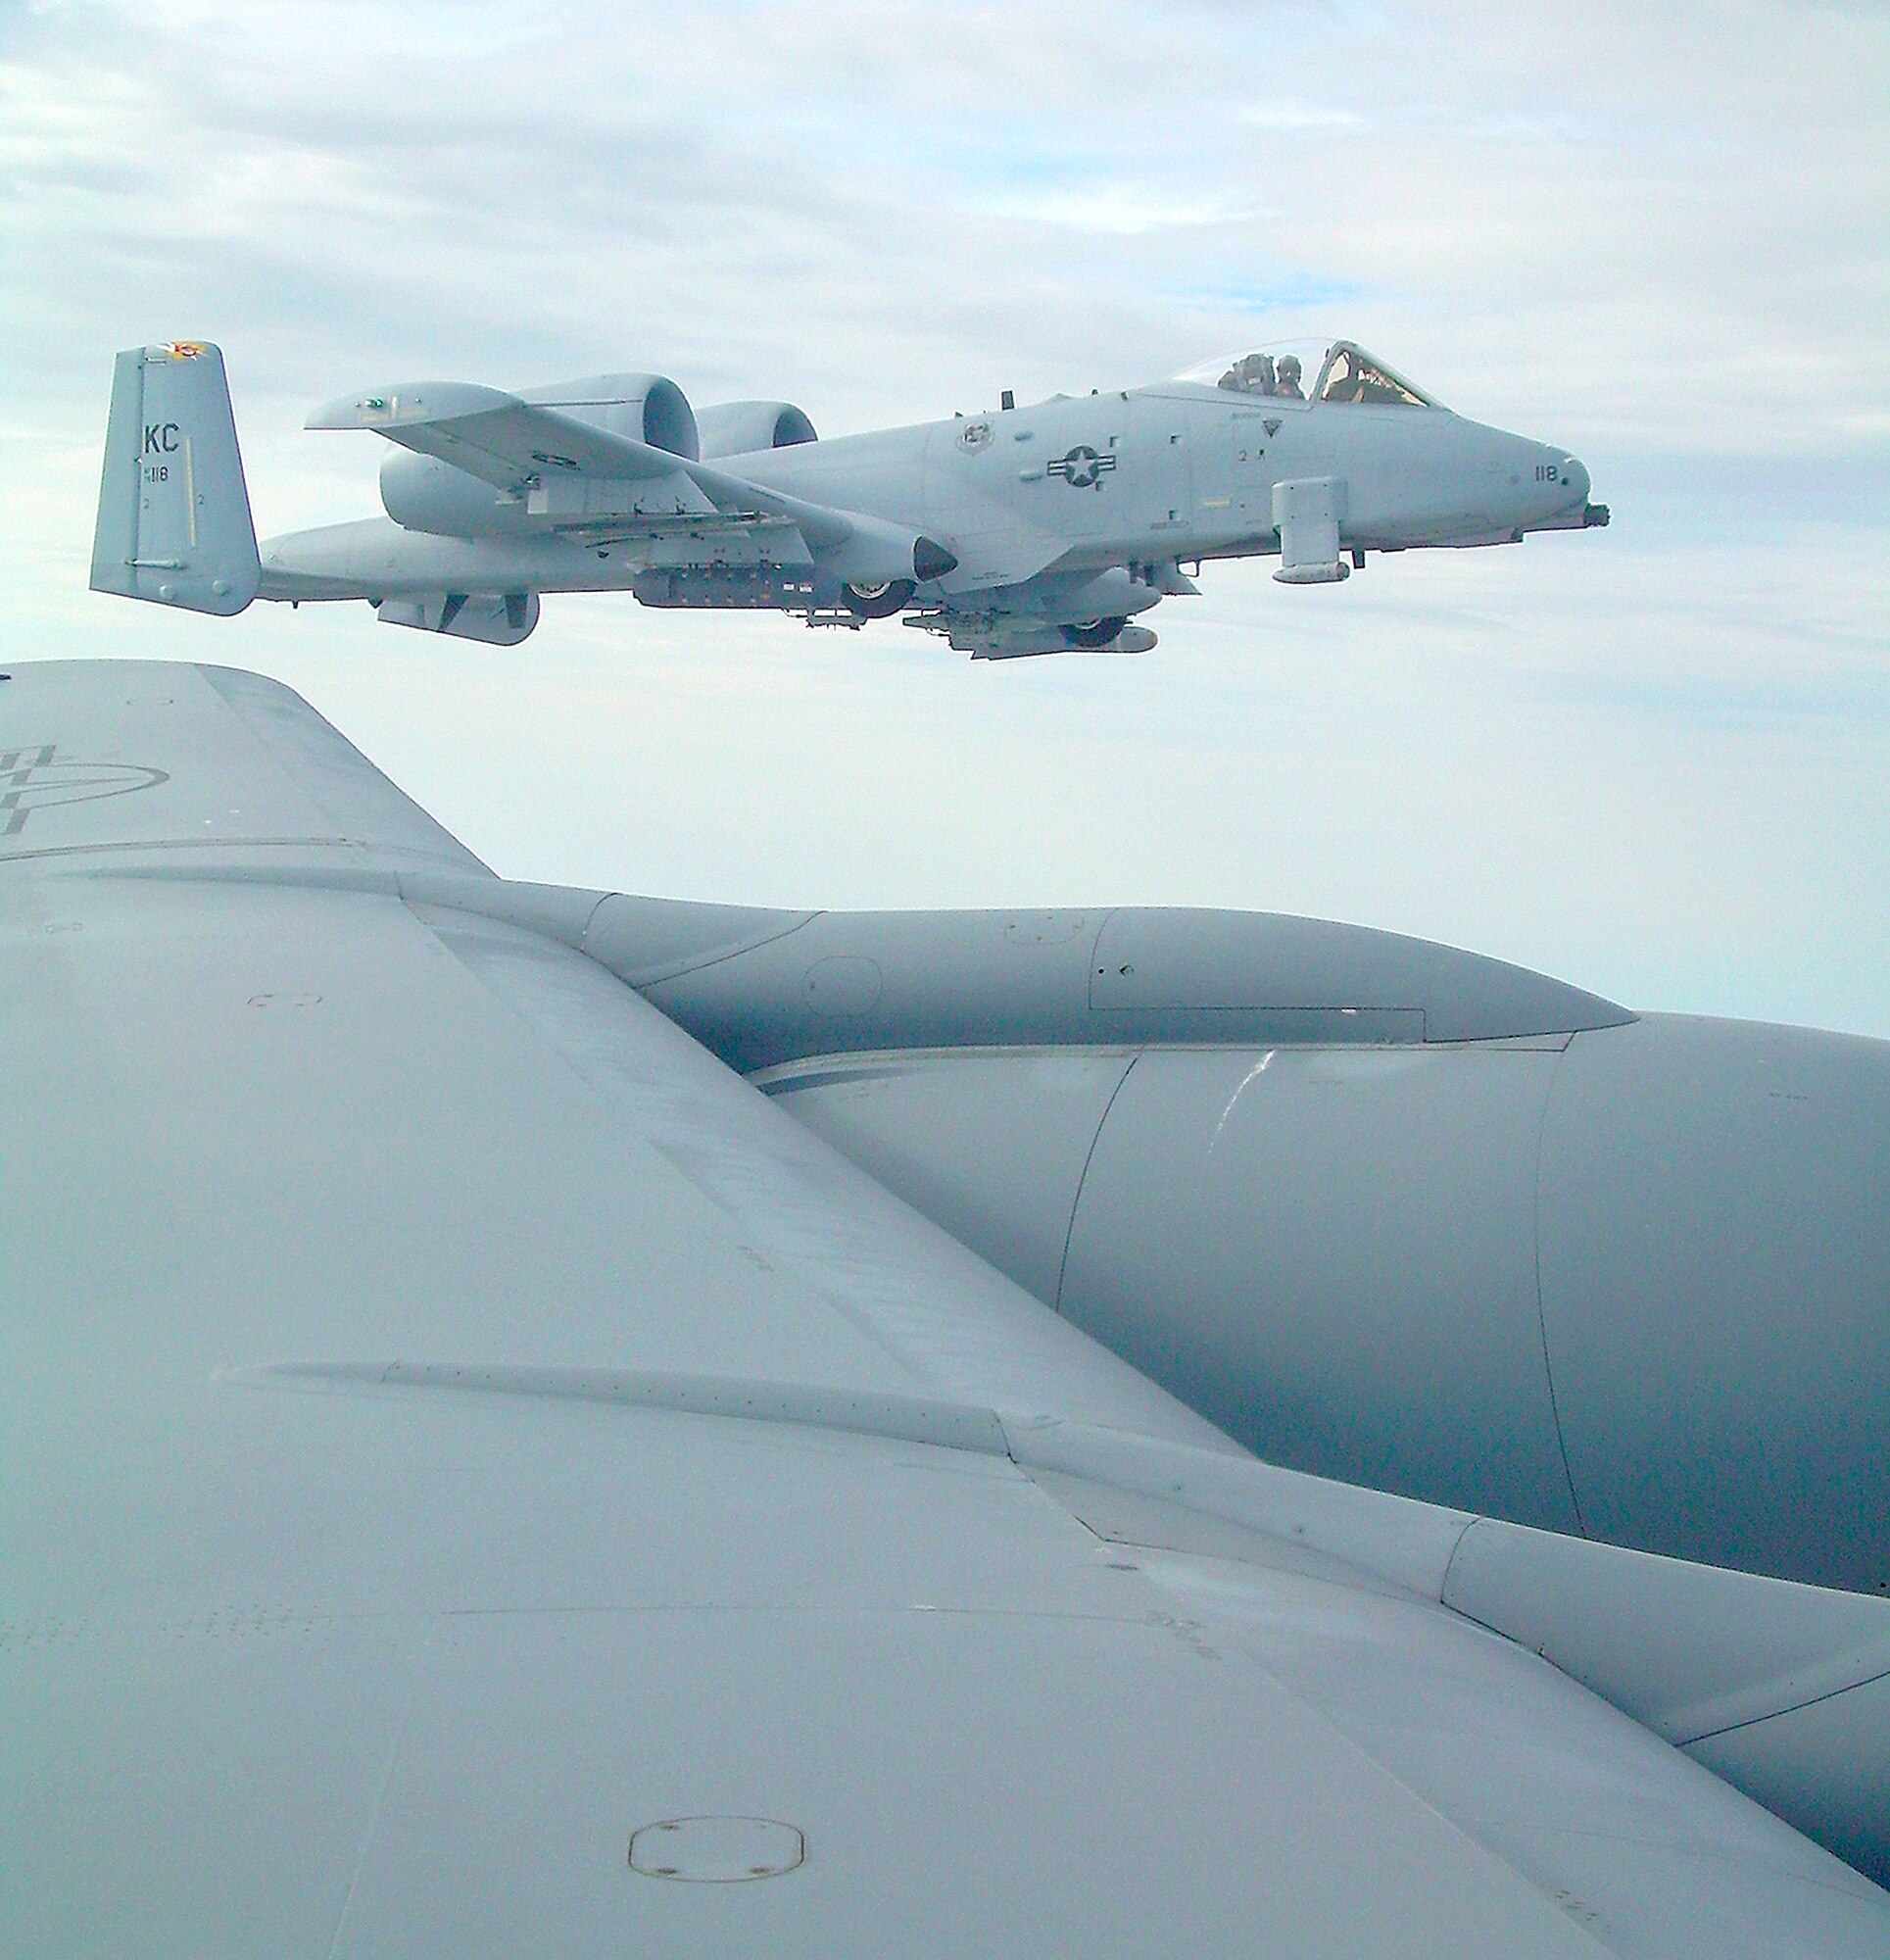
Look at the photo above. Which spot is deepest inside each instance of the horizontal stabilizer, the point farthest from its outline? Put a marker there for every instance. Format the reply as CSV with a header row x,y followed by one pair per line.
x,y
173,515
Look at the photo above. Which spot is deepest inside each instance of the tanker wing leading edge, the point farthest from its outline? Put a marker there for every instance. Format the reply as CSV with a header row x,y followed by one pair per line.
x,y
488,1481
1018,532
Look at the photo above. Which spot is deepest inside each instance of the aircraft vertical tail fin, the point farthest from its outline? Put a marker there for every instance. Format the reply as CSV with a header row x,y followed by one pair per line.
x,y
173,513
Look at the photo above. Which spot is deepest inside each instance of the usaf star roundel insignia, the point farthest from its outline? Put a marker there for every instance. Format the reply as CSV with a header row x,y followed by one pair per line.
x,y
1082,469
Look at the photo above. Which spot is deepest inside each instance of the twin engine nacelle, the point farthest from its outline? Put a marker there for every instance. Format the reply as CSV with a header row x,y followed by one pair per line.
x,y
420,493
740,428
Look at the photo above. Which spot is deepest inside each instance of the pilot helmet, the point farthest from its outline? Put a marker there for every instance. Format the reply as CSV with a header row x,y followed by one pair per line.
x,y
1287,367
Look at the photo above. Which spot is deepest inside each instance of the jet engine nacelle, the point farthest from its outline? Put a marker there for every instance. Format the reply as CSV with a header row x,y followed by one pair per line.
x,y
420,493
1386,1211
647,407
740,428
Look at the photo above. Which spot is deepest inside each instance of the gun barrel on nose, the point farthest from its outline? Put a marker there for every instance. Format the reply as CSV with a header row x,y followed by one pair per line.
x,y
1562,485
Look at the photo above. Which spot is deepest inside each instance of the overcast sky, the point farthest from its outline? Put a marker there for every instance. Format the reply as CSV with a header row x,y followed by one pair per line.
x,y
1654,760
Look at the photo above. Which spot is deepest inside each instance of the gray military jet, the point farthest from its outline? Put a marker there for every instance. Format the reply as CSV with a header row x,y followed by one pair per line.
x,y
540,1420
1022,531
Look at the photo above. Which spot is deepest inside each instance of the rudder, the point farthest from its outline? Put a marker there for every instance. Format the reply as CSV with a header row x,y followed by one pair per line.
x,y
173,513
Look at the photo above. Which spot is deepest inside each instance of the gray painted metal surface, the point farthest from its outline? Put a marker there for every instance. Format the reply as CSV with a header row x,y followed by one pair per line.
x,y
384,1669
1714,1241
1340,1244
1024,532
838,983
1385,1210
1634,1282
173,515
1754,1676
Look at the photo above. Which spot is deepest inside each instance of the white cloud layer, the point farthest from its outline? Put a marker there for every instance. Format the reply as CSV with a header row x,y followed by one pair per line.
x,y
1652,759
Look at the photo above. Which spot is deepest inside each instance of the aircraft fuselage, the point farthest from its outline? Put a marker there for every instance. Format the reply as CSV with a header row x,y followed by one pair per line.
x,y
1074,511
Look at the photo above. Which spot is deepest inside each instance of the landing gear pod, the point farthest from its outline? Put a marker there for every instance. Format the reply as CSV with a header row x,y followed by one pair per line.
x,y
1118,636
880,601
498,618
173,515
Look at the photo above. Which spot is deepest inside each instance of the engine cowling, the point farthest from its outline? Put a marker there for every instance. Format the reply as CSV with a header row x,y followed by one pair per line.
x,y
647,407
423,494
739,428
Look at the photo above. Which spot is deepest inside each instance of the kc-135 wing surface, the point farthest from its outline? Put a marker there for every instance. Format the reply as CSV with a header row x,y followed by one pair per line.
x,y
482,1481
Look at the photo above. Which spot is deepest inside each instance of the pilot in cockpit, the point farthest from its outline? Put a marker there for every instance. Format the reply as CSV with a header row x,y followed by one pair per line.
x,y
1251,374
1265,374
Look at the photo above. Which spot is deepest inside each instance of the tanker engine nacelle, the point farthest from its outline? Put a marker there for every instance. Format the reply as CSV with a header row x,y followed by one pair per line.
x,y
420,493
740,428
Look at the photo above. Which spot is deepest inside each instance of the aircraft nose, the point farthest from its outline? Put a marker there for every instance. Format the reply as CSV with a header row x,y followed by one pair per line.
x,y
1576,485
1555,488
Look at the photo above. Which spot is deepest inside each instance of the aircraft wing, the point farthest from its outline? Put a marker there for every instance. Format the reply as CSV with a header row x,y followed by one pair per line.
x,y
502,439
480,1479
524,446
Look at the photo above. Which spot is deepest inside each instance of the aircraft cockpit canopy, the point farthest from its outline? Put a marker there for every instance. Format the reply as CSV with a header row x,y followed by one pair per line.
x,y
1352,375
1312,371
1266,373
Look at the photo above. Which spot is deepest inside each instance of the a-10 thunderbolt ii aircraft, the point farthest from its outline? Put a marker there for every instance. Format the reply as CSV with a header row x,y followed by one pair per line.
x,y
541,1420
1021,531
